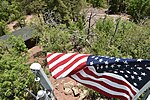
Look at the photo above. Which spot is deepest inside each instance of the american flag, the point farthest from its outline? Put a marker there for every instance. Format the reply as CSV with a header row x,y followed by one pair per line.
x,y
121,78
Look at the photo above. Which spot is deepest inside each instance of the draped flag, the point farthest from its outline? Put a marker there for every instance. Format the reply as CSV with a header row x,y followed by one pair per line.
x,y
120,78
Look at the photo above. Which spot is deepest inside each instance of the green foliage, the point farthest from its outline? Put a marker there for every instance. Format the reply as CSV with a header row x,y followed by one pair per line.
x,y
15,75
138,9
98,3
65,10
122,39
55,39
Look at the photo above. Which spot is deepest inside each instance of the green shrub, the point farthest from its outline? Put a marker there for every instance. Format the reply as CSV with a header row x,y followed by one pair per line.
x,y
15,75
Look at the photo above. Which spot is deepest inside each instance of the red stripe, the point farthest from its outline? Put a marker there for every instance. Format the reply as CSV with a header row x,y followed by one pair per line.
x,y
105,93
110,78
55,58
104,84
65,60
71,64
49,55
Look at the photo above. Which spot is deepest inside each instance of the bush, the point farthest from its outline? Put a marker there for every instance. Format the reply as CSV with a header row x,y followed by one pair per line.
x,y
15,75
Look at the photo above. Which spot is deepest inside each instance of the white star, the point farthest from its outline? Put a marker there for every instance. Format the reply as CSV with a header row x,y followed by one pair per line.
x,y
96,58
139,60
128,71
119,65
93,57
126,65
100,60
106,62
106,66
148,68
131,67
139,78
111,57
132,77
143,74
91,63
139,68
117,60
98,68
115,72
135,65
121,71
135,84
126,76
135,73
125,62
101,67
112,66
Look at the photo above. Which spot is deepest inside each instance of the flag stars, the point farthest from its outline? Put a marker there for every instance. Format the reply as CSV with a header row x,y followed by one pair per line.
x,y
139,60
135,73
106,62
115,72
132,77
106,66
119,65
112,66
139,78
121,71
91,63
100,60
143,74
125,62
148,68
96,58
135,84
93,57
128,72
126,76
112,57
139,68
117,60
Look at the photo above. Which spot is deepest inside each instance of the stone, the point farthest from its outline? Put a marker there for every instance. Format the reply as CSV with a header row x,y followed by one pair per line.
x,y
68,85
68,91
83,95
75,91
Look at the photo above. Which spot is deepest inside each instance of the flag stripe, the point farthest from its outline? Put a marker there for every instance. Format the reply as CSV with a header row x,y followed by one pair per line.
x,y
110,76
56,57
67,69
65,72
63,61
96,86
108,84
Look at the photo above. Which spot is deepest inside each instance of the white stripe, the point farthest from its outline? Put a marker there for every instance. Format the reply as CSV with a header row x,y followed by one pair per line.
x,y
99,87
60,68
52,56
107,81
60,59
112,75
64,74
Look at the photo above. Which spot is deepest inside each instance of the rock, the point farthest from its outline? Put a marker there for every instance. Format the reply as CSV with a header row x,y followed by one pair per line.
x,y
75,91
83,94
56,86
68,91
68,85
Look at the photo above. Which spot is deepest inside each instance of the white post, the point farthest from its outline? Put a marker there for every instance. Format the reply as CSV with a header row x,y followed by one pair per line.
x,y
44,81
